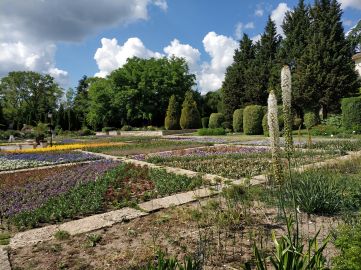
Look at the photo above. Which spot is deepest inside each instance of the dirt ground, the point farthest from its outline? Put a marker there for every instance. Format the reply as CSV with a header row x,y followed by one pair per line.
x,y
178,232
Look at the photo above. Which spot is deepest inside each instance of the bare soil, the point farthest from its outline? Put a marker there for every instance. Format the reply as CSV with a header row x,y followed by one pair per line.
x,y
177,232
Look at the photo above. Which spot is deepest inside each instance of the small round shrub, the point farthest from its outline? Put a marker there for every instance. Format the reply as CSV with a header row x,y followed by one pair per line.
x,y
126,128
238,120
310,120
216,120
86,132
227,125
297,122
351,114
205,121
252,120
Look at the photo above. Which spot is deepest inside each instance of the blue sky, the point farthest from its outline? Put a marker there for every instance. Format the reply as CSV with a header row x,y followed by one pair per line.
x,y
62,37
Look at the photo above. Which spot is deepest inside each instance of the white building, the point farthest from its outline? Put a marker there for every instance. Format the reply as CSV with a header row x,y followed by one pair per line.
x,y
357,59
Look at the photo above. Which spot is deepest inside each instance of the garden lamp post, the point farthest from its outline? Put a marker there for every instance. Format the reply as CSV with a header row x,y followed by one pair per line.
x,y
50,116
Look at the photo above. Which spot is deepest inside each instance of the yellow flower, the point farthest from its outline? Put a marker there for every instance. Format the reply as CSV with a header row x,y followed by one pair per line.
x,y
66,147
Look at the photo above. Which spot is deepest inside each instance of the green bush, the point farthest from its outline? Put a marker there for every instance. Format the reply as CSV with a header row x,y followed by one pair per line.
x,y
190,117
333,120
348,241
171,121
107,129
205,121
351,114
211,131
252,119
310,120
126,128
265,125
238,120
85,132
325,130
216,120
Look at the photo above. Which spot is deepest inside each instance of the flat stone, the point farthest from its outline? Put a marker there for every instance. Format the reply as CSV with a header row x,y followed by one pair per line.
x,y
151,206
32,237
99,221
4,260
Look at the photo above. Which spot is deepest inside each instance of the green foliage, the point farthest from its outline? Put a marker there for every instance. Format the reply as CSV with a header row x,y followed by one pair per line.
x,y
325,71
348,242
27,97
211,131
238,120
252,119
4,238
62,235
163,263
310,120
85,132
354,37
107,129
190,117
291,254
351,114
216,120
126,128
325,191
172,118
333,120
93,239
205,121
211,103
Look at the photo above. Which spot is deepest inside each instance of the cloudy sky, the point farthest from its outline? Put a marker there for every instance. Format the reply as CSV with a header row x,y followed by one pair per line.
x,y
72,38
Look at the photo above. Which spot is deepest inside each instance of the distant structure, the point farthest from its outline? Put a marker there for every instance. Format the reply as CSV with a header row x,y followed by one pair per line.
x,y
357,59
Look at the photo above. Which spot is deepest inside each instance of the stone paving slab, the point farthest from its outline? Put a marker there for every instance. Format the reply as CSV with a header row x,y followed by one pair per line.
x,y
74,227
33,236
4,260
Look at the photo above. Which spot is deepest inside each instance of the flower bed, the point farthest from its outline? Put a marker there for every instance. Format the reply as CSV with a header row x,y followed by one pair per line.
x,y
14,161
30,199
62,147
203,152
144,147
231,161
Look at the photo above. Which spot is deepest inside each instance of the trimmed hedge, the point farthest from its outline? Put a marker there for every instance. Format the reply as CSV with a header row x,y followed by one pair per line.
x,y
205,121
351,114
216,120
238,120
310,120
252,119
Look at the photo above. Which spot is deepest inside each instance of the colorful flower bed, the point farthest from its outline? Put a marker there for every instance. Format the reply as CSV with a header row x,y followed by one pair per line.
x,y
62,147
33,198
142,147
230,161
14,161
203,152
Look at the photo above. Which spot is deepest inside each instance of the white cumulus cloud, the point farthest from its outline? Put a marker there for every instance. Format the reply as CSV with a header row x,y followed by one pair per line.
x,y
112,55
240,27
190,54
30,30
278,15
221,50
350,4
210,75
259,12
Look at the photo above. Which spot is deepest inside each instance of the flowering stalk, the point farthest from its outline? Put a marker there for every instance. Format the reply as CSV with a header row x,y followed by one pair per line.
x,y
274,133
286,99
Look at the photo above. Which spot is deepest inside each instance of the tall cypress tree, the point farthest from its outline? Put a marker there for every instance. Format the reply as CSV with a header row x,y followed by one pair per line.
x,y
266,68
296,27
326,71
235,88
171,121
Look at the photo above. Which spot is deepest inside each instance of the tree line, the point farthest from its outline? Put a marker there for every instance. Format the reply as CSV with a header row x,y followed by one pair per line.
x,y
314,46
316,49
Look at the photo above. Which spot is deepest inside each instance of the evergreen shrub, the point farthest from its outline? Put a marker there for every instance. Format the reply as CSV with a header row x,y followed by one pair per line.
x,y
205,121
190,117
351,114
238,120
216,120
252,119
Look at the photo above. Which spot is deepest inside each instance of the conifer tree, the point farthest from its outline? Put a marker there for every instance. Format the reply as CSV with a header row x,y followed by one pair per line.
x,y
326,71
235,89
190,117
61,118
266,69
172,117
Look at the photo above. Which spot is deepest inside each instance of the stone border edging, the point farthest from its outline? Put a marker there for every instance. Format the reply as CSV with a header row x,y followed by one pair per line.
x,y
4,259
